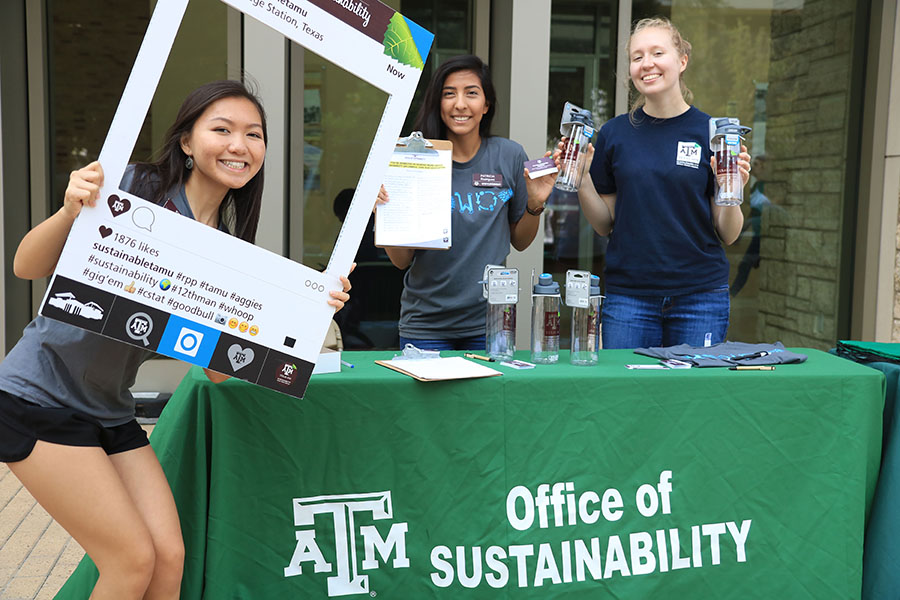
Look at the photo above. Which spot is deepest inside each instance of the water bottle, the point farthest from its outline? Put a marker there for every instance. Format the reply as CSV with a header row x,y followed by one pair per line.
x,y
577,125
586,328
725,143
502,292
501,331
545,321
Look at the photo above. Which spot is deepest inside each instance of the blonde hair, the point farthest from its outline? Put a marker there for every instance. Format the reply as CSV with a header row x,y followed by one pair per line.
x,y
682,46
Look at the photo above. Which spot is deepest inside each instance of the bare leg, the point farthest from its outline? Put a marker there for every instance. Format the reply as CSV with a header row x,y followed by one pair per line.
x,y
82,490
145,481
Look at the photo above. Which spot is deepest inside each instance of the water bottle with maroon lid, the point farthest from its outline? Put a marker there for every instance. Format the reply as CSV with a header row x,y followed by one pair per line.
x,y
545,320
577,126
725,137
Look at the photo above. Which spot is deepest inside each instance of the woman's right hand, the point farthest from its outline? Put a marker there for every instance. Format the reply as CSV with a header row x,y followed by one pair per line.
x,y
588,155
381,198
83,189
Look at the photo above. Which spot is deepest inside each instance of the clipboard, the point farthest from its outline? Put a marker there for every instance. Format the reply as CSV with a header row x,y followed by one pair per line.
x,y
418,181
439,369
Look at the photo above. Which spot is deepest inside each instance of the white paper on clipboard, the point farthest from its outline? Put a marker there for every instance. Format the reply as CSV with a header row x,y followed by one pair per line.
x,y
418,182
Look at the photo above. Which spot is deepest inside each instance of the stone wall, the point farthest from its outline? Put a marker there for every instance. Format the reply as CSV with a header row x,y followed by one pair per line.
x,y
808,104
895,330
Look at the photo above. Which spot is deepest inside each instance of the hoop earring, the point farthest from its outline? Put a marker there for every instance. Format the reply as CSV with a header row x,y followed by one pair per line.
x,y
189,163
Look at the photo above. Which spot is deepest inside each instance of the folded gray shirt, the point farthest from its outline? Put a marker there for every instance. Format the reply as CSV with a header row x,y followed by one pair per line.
x,y
727,354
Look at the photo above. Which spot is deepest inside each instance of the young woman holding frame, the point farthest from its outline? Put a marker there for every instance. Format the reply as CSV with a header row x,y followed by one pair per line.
x,y
67,425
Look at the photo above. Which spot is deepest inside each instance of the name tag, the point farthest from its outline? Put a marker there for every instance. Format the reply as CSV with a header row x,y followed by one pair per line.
x,y
487,180
688,154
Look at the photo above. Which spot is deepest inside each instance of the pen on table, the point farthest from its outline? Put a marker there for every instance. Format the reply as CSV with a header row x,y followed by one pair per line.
x,y
752,368
478,357
346,364
759,354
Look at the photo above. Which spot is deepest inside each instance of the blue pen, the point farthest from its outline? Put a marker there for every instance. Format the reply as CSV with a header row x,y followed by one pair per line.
x,y
346,364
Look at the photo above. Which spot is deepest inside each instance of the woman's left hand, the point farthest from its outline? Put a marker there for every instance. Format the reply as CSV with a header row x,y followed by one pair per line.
x,y
743,165
339,298
539,188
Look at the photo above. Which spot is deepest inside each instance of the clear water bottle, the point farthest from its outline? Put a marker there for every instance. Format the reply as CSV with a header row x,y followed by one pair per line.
x,y
586,329
545,321
725,143
501,289
500,333
577,126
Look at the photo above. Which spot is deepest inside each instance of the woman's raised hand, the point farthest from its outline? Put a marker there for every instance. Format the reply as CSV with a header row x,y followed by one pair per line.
x,y
743,167
83,189
588,152
381,198
339,298
539,188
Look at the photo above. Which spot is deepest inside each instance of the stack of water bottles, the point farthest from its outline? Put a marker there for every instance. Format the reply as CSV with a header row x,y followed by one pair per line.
x,y
582,295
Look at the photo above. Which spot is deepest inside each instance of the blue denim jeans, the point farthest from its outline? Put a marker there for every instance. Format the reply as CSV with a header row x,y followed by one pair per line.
x,y
470,343
697,319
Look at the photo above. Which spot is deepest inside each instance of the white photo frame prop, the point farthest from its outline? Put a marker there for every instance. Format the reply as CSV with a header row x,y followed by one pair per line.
x,y
139,273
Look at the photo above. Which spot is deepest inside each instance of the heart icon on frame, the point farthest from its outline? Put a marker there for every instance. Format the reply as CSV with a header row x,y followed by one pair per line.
x,y
105,231
239,357
118,205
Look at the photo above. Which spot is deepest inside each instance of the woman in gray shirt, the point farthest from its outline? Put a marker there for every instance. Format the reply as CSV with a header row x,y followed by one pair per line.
x,y
67,426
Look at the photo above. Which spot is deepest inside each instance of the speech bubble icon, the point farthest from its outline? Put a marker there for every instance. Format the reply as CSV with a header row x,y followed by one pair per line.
x,y
143,218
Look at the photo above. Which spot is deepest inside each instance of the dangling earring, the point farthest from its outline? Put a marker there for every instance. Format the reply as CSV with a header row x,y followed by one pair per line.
x,y
189,163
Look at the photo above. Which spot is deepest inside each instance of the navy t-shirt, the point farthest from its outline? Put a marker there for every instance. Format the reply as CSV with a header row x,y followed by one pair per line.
x,y
663,241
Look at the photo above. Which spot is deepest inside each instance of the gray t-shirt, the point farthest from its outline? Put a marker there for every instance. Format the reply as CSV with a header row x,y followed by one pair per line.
x,y
441,297
58,365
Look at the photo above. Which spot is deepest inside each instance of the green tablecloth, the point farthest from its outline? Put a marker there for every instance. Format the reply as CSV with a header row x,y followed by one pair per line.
x,y
381,486
881,578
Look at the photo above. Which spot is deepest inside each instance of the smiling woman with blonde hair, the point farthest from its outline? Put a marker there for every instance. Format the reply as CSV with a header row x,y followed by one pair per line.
x,y
651,191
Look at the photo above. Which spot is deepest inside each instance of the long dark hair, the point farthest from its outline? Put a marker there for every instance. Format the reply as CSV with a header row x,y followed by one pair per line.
x,y
239,210
429,121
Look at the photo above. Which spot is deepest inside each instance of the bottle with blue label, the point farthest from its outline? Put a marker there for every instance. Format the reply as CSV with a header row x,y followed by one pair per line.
x,y
586,327
577,127
545,320
725,137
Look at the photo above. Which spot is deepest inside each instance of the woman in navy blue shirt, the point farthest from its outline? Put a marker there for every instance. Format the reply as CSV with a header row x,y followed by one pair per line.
x,y
651,191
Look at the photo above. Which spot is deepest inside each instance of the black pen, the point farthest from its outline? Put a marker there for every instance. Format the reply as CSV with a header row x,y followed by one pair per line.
x,y
478,357
759,354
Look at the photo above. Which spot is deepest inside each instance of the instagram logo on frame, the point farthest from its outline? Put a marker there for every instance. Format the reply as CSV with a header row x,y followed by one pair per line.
x,y
188,341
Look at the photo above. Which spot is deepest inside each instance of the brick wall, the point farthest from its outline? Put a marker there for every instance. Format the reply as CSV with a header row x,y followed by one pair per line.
x,y
895,330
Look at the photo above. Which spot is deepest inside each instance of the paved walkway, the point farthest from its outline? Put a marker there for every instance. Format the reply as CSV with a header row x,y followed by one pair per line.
x,y
36,554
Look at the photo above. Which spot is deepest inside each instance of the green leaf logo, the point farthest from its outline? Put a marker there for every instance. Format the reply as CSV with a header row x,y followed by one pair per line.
x,y
399,43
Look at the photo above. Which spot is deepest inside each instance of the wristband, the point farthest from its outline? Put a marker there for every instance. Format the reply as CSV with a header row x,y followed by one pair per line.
x,y
534,212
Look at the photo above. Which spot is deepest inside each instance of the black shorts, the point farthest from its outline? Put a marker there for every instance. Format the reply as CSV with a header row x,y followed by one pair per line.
x,y
23,423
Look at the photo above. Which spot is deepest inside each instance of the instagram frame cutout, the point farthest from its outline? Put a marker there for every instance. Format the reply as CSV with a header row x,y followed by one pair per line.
x,y
143,275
